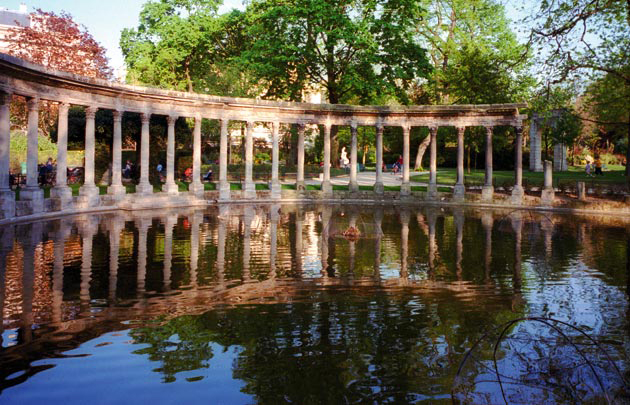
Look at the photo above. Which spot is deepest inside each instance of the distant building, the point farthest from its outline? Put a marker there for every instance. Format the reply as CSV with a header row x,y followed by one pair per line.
x,y
12,19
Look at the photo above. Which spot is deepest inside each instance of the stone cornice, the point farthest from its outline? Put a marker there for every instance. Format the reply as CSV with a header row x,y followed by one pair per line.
x,y
23,78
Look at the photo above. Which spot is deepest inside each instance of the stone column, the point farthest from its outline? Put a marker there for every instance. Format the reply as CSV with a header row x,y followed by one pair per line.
x,y
560,157
224,186
299,183
89,191
326,184
535,144
145,187
196,187
116,188
32,192
250,187
459,191
61,191
405,187
404,244
276,187
169,223
353,186
547,196
487,192
432,188
170,186
143,225
7,196
517,191
379,188
115,225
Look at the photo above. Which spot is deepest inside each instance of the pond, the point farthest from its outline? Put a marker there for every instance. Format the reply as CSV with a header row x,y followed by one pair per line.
x,y
315,304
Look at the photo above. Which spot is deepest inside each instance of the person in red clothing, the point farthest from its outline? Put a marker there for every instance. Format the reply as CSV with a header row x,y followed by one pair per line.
x,y
188,174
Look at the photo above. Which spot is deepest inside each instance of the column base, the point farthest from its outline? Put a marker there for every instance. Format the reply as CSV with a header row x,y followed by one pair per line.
x,y
353,186
196,188
327,188
459,192
300,186
487,193
249,191
63,194
7,204
405,189
379,188
432,192
88,196
547,196
517,195
144,189
116,190
35,197
224,190
170,188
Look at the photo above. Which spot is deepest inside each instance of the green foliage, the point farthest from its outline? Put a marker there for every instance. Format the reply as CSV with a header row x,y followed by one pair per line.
x,y
18,149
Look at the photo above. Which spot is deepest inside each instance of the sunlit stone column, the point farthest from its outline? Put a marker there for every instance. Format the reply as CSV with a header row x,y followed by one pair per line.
x,y
487,221
459,190
405,187
30,237
353,186
224,211
89,191
143,225
145,187
547,195
248,216
169,223
250,187
170,186
58,266
196,187
88,227
326,184
299,183
116,188
432,188
61,191
32,192
196,219
487,192
517,191
6,246
379,188
115,225
7,196
273,240
432,220
458,217
224,186
378,232
276,188
404,244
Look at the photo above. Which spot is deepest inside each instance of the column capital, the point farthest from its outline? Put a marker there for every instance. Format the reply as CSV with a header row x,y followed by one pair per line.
x,y
380,127
117,114
489,129
64,107
406,128
433,130
5,97
518,129
90,112
33,103
461,129
198,117
171,119
145,117
354,125
250,125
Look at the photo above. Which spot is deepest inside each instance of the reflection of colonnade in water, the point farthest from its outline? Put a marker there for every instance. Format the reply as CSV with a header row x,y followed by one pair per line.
x,y
264,233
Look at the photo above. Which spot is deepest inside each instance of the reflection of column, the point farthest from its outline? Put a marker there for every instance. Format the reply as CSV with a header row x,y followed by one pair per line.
x,y
195,221
57,280
224,212
273,240
196,187
405,187
379,188
432,188
458,217
32,191
326,215
299,241
299,184
7,196
487,221
224,186
353,185
547,227
517,191
378,232
432,220
32,237
169,224
517,226
352,242
459,190
276,188
116,225
61,189
6,246
487,192
250,188
248,215
143,225
145,186
170,186
88,229
404,244
326,184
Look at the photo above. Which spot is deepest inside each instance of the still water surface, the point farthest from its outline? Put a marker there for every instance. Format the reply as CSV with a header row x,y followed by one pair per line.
x,y
273,304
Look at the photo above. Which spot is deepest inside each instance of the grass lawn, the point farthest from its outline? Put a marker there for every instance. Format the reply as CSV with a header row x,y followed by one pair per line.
x,y
614,175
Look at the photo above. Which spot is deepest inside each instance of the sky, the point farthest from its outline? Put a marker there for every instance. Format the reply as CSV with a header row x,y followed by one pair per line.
x,y
105,19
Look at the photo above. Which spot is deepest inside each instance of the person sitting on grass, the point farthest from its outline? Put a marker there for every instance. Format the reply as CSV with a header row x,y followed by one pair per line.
x,y
598,166
588,168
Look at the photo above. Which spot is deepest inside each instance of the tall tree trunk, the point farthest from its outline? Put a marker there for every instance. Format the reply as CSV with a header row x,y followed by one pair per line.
x,y
421,149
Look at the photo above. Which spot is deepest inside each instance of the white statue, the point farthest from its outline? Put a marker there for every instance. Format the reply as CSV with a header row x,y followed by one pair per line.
x,y
344,157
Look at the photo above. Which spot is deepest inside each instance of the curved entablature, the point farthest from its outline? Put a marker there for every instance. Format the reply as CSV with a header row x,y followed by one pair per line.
x,y
26,79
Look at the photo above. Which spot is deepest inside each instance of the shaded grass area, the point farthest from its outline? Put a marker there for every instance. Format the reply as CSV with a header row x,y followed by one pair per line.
x,y
614,175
